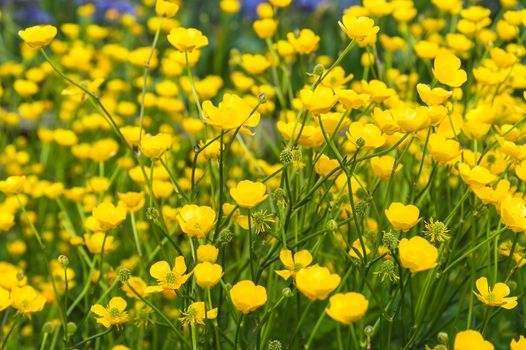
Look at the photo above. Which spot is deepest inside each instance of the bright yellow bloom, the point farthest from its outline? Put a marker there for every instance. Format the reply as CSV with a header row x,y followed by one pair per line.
x,y
108,215
347,307
196,313
265,28
249,194
305,42
187,39
95,241
402,217
432,97
476,176
247,297
417,254
5,300
441,149
166,8
518,345
364,136
7,221
196,221
447,70
358,28
38,36
513,214
316,282
498,296
26,300
133,201
382,166
301,260
319,101
230,6
471,340
113,314
207,252
168,279
232,112
207,275
412,119
280,3
156,146
13,184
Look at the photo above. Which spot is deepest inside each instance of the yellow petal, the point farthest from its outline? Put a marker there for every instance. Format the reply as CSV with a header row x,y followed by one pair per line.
x,y
159,270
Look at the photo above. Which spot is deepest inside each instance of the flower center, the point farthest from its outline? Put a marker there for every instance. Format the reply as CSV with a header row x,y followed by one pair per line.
x,y
114,312
171,278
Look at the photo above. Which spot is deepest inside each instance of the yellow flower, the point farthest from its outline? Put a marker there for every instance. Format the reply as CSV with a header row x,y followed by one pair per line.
x,y
318,101
166,8
305,42
168,279
518,345
108,215
247,297
155,146
231,113
364,136
412,120
280,3
38,36
265,28
325,165
196,221
417,254
382,166
138,284
316,282
513,214
132,134
113,314
230,6
187,39
27,300
470,339
207,252
301,260
95,241
133,201
476,176
358,28
254,64
402,217
5,300
441,149
498,296
357,251
347,307
13,185
7,221
196,313
447,70
249,194
351,99
207,275
432,97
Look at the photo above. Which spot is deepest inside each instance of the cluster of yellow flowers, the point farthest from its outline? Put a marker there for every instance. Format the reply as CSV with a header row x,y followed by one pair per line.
x,y
381,185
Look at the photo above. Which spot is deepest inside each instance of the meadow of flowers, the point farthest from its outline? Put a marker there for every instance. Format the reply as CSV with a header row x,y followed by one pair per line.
x,y
216,176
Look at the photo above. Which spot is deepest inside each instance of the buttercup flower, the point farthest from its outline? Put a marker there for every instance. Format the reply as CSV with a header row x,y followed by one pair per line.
x,y
301,260
232,112
358,28
498,296
207,275
513,214
318,101
402,217
417,254
470,339
113,314
518,345
38,36
447,70
168,279
347,307
109,216
166,8
155,146
13,184
316,282
249,194
196,221
196,313
26,300
247,297
207,252
187,39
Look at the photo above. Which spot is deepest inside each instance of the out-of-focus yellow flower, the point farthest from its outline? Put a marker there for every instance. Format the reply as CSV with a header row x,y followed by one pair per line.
x,y
95,242
166,8
248,194
232,112
305,42
187,39
156,146
347,307
265,28
446,70
498,296
470,339
5,300
247,297
26,300
518,344
402,217
113,314
38,36
207,253
108,215
316,282
207,275
7,221
168,279
301,260
196,221
513,214
133,201
280,3
417,254
358,28
13,185
230,6
382,166
441,149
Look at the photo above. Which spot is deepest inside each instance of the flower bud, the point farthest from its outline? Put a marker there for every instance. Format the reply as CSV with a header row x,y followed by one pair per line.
x,y
262,98
443,338
123,274
48,327
318,70
369,331
274,345
63,260
287,292
71,328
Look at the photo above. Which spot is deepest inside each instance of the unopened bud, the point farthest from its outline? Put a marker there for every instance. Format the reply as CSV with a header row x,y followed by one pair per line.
x,y
123,274
262,98
287,292
63,260
71,328
443,338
